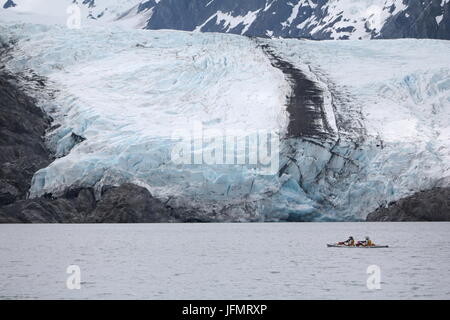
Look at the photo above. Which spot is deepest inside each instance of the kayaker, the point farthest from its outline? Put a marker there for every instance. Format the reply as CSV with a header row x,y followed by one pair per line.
x,y
366,243
349,242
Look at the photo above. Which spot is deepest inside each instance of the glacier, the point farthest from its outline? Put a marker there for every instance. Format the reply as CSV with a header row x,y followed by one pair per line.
x,y
126,96
392,105
125,92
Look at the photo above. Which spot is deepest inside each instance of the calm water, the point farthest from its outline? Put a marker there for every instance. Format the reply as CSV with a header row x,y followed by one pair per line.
x,y
224,261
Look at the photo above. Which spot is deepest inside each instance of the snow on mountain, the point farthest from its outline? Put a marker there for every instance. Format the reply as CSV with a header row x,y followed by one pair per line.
x,y
315,19
387,106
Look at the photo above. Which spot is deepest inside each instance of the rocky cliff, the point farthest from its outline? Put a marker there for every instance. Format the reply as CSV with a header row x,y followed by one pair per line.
x,y
429,205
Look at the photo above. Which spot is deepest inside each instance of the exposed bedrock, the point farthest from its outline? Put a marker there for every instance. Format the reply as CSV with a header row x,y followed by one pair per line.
x,y
9,4
429,205
23,151
334,166
22,148
421,19
128,203
320,147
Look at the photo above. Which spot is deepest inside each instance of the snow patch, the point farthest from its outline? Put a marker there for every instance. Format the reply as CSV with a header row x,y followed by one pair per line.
x,y
230,22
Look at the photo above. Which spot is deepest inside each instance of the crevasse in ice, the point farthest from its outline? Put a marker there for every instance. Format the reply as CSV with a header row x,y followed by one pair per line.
x,y
126,92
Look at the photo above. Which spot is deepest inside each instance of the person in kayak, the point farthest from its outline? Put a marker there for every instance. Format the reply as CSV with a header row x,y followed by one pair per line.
x,y
349,242
366,243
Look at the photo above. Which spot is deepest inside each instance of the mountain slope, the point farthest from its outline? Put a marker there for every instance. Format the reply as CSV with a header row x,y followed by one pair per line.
x,y
392,111
313,19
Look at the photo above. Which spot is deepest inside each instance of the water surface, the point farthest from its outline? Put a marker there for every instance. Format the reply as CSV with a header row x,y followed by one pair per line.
x,y
224,261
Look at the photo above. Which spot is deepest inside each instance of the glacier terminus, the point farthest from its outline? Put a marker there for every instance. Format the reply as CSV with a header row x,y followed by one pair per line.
x,y
266,125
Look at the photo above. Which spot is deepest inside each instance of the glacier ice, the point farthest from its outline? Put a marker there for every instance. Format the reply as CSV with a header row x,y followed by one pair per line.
x,y
125,92
391,100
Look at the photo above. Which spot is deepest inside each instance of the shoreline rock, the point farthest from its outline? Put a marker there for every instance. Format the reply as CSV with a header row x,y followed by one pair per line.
x,y
428,205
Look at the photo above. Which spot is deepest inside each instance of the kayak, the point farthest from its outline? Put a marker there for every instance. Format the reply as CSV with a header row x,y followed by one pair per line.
x,y
344,246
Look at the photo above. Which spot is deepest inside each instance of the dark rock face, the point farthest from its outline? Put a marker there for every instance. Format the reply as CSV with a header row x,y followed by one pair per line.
x,y
89,3
305,104
421,19
314,19
9,4
22,148
128,203
8,193
430,205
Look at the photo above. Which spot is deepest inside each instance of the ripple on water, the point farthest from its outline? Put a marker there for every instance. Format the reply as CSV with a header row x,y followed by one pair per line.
x,y
228,267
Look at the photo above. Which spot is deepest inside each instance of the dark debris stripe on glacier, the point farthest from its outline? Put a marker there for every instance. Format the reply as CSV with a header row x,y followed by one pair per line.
x,y
22,125
305,105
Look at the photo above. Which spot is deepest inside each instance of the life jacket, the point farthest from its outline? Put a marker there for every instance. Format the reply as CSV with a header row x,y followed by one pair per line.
x,y
369,243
